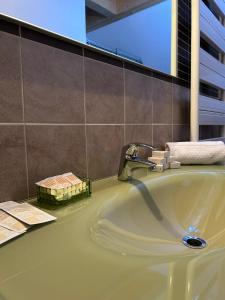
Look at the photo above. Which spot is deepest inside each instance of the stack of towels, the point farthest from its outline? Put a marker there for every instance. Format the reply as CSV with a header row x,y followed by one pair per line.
x,y
188,153
199,153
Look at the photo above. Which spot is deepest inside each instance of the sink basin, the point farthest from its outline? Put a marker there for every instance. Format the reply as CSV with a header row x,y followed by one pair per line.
x,y
151,217
125,242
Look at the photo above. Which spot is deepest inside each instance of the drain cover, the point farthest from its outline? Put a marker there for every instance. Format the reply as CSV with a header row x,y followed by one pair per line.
x,y
194,242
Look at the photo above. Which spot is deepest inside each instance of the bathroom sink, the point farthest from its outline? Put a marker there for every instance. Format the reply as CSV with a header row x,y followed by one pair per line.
x,y
125,242
151,216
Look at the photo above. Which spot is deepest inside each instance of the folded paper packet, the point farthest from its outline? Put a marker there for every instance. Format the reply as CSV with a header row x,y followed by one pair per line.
x,y
6,234
16,218
10,223
26,213
189,153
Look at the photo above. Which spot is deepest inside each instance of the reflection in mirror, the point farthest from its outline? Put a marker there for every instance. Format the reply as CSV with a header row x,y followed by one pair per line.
x,y
65,18
139,30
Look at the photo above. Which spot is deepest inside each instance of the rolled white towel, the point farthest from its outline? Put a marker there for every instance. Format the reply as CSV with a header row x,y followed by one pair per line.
x,y
197,153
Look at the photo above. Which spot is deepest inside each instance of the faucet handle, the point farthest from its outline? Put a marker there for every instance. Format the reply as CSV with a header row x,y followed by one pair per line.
x,y
133,149
130,154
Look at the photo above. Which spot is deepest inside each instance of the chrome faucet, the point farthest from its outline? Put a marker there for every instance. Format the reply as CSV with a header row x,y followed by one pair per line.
x,y
130,160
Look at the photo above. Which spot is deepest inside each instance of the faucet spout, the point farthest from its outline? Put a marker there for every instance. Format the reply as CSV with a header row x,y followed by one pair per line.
x,y
130,160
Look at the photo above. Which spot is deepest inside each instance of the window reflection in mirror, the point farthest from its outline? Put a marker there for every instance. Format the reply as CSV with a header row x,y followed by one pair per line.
x,y
139,30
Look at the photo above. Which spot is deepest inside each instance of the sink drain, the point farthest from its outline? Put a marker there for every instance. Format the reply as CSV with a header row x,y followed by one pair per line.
x,y
194,242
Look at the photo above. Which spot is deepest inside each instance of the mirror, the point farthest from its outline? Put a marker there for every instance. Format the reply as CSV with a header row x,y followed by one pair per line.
x,y
139,30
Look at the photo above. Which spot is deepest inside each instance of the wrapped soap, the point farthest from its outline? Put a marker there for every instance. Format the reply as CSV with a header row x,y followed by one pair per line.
x,y
61,188
175,165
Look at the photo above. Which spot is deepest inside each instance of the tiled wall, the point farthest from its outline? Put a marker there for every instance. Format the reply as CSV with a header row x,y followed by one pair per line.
x,y
64,108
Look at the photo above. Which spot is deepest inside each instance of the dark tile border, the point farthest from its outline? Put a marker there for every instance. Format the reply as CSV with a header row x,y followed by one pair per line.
x,y
9,27
162,76
50,41
34,33
139,69
181,82
103,57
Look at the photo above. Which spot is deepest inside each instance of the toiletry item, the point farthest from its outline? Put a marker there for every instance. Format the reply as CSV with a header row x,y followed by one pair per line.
x,y
16,218
27,213
161,159
189,153
159,168
166,166
171,159
6,234
8,222
157,160
164,161
160,154
72,178
51,184
175,165
62,188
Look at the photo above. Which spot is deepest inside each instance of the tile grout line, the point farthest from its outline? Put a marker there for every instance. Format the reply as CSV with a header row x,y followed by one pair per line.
x,y
90,124
172,109
124,104
23,112
85,115
55,124
152,110
12,124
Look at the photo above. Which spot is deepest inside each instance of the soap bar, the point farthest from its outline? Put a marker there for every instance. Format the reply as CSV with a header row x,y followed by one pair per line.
x,y
171,159
159,168
72,178
157,160
175,165
166,165
161,154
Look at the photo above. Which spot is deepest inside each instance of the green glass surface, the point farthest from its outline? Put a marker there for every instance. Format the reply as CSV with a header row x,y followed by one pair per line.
x,y
123,243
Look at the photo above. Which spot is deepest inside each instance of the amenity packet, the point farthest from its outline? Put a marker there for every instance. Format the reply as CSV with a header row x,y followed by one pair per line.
x,y
8,222
26,213
6,234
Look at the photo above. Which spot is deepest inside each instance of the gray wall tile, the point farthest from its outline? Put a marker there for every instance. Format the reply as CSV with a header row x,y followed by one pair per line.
x,y
162,101
181,133
104,93
138,98
13,175
138,133
10,79
53,84
161,135
53,150
56,91
104,143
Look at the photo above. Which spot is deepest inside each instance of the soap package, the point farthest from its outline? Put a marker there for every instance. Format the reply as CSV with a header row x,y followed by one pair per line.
x,y
9,222
26,213
16,219
164,160
6,234
62,188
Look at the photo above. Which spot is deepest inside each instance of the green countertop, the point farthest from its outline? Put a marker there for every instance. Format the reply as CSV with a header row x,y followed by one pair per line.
x,y
60,261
